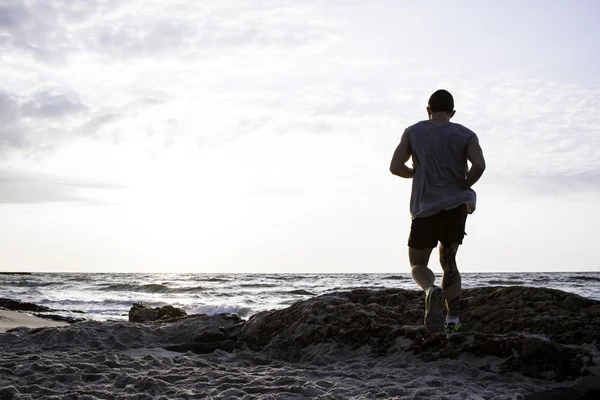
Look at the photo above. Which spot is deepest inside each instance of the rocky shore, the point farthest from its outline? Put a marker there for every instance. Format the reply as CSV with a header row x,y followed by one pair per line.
x,y
519,343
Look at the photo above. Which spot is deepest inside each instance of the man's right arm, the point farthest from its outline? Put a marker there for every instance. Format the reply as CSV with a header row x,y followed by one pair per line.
x,y
475,156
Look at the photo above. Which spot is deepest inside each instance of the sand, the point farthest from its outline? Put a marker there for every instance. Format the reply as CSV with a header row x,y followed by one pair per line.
x,y
93,360
14,319
102,360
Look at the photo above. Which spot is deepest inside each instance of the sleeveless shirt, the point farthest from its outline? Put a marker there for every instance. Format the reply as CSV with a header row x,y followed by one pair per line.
x,y
440,165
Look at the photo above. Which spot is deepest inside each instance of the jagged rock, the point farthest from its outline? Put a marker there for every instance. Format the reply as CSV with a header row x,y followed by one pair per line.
x,y
213,336
170,313
534,331
204,348
55,317
18,305
140,312
223,337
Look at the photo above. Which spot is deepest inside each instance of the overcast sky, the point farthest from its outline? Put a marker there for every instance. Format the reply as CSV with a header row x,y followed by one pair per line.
x,y
255,136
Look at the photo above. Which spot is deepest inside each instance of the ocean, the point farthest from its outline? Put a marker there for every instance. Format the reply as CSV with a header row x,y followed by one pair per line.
x,y
109,296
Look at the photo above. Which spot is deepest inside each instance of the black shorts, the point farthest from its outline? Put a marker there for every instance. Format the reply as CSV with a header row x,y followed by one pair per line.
x,y
448,227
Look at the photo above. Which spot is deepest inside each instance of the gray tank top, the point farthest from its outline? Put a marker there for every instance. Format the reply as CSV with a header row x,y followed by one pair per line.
x,y
439,157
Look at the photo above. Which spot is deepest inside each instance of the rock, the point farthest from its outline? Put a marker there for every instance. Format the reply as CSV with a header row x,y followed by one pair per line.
x,y
210,337
204,348
169,312
541,333
55,317
140,312
342,320
221,336
18,305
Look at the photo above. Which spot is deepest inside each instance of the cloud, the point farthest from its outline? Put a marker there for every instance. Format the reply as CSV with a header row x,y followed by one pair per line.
x,y
54,30
31,188
158,77
34,27
9,108
51,103
100,121
39,119
534,128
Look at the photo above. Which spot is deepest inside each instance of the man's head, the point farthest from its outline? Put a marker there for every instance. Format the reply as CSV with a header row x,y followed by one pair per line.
x,y
441,101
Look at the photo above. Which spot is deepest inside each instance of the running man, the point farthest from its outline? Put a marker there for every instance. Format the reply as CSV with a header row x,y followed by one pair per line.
x,y
440,200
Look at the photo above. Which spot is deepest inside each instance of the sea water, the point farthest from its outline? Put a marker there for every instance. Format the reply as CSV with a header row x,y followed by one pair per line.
x,y
109,296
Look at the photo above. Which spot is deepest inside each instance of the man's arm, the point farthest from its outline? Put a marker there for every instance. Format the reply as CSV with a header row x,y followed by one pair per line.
x,y
475,156
401,156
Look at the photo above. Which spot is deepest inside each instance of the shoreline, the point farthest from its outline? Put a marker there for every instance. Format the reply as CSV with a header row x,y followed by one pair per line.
x,y
15,319
519,343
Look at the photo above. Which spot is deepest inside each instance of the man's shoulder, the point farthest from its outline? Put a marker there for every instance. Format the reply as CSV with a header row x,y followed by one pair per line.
x,y
417,126
426,125
462,128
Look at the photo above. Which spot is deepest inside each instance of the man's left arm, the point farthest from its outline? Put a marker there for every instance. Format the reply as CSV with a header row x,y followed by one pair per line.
x,y
401,156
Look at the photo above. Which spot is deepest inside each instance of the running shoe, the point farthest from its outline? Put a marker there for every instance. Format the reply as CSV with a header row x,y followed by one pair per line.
x,y
452,329
434,308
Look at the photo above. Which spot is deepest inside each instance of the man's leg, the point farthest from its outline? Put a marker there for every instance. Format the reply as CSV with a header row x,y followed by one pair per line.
x,y
451,282
434,296
421,241
419,258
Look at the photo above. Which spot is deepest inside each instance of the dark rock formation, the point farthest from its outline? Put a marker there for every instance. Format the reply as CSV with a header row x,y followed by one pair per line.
x,y
223,337
140,312
537,332
204,348
62,318
40,311
18,305
540,333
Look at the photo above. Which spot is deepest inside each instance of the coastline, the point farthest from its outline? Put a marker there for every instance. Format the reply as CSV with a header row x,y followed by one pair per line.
x,y
14,319
520,343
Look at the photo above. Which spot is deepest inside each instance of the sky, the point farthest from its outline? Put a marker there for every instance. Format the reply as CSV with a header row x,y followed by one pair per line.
x,y
256,136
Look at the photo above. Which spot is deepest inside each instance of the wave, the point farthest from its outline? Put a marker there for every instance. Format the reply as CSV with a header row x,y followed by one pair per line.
x,y
258,285
31,283
505,282
221,309
284,277
40,284
396,277
586,278
212,279
300,292
150,288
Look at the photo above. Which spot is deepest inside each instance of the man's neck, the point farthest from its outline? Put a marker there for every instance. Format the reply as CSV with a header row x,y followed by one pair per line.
x,y
439,117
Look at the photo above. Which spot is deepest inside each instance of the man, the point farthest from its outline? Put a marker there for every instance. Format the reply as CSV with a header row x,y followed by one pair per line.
x,y
440,201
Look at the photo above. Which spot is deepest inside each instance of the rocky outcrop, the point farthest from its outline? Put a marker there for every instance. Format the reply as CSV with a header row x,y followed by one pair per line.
x,y
140,312
223,337
40,311
540,333
18,305
61,318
